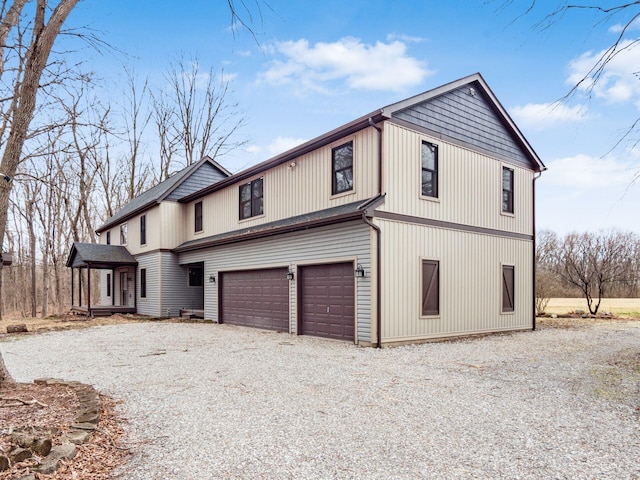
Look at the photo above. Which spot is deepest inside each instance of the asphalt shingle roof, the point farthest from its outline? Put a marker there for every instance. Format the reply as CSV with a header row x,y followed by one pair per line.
x,y
99,255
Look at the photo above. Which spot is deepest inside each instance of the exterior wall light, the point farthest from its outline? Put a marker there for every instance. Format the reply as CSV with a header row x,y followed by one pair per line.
x,y
212,278
291,275
359,271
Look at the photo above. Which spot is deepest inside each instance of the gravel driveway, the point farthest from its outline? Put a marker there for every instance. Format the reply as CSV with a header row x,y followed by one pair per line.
x,y
211,401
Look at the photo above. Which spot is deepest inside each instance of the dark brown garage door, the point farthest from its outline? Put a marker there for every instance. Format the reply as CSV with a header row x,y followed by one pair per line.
x,y
327,301
255,298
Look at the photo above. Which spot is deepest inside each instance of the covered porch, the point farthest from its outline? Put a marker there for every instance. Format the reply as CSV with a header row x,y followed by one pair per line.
x,y
85,257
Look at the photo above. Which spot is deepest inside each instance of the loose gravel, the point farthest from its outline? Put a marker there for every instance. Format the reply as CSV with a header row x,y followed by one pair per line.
x,y
207,401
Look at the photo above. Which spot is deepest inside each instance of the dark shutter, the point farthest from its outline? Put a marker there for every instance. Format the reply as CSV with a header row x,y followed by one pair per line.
x,y
430,287
108,284
508,297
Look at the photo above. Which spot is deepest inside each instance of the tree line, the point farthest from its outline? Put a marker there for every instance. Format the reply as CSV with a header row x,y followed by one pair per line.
x,y
593,265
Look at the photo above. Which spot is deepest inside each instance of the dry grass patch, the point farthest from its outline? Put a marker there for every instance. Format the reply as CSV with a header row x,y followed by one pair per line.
x,y
66,322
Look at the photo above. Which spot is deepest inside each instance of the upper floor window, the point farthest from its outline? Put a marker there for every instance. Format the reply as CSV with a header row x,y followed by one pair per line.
x,y
342,168
429,170
507,190
143,230
251,199
197,220
123,234
108,237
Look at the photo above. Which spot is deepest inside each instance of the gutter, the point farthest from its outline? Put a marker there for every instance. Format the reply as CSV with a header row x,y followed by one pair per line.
x,y
378,242
533,261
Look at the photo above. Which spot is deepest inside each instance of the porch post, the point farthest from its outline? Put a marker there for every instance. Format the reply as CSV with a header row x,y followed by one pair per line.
x,y
135,293
80,287
89,289
72,285
113,287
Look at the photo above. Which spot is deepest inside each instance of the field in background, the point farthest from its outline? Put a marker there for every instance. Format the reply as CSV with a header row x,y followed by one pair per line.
x,y
622,307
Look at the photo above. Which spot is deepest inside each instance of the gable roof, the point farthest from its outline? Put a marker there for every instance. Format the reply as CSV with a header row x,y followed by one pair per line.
x,y
99,255
158,193
384,113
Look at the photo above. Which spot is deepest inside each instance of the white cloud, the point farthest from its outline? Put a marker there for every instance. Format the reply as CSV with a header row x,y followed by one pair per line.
x,y
618,82
282,144
619,27
253,149
327,67
583,171
547,115
404,38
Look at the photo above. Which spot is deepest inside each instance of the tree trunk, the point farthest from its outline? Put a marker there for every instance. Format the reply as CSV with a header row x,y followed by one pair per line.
x,y
5,376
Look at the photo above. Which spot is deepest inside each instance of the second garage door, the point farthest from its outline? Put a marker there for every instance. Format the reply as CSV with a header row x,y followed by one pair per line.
x,y
255,298
327,301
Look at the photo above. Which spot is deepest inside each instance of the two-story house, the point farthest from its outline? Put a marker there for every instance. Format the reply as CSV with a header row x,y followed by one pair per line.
x,y
411,223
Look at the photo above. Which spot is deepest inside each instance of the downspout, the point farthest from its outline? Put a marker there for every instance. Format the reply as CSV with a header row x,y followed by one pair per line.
x,y
378,243
533,261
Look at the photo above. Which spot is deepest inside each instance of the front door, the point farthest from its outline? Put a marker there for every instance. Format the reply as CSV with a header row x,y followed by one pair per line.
x,y
123,288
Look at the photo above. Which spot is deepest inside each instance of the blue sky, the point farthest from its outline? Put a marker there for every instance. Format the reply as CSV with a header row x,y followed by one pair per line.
x,y
314,66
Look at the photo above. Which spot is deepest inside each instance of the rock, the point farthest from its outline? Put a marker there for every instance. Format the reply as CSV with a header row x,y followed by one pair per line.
x,y
88,416
23,440
84,426
554,315
17,328
19,454
579,312
4,463
42,447
78,436
31,476
52,461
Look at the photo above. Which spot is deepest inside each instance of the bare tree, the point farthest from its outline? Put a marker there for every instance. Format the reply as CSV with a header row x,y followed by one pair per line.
x,y
595,262
546,279
194,115
624,14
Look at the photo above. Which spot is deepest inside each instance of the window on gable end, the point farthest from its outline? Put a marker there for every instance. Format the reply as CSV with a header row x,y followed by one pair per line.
x,y
123,234
252,199
429,159
430,287
507,190
197,221
508,288
342,168
143,229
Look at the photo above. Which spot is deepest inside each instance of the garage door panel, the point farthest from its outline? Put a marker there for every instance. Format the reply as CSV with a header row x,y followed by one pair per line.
x,y
327,301
256,298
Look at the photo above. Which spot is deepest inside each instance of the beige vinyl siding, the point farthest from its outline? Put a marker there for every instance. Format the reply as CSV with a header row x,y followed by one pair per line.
x,y
104,300
470,282
345,242
293,190
469,190
175,220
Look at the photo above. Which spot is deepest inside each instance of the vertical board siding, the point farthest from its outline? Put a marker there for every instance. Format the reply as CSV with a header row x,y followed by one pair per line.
x,y
293,190
470,282
319,245
154,227
467,118
151,304
175,219
470,184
